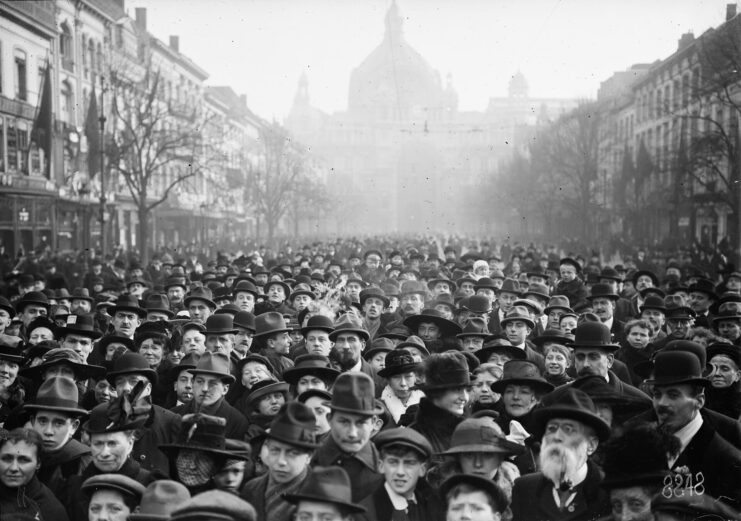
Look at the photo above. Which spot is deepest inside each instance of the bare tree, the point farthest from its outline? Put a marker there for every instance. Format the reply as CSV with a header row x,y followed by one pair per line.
x,y
309,201
157,145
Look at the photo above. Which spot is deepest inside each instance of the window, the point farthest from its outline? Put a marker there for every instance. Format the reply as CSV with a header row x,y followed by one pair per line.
x,y
67,103
23,146
12,144
1,81
21,86
119,36
65,48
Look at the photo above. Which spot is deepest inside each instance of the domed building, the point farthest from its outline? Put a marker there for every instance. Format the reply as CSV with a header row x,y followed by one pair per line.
x,y
402,156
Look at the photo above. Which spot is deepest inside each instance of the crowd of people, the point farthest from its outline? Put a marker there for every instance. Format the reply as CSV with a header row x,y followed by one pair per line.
x,y
371,380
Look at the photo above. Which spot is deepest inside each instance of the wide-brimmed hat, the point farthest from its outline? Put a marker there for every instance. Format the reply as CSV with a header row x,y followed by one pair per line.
x,y
553,335
375,293
574,404
246,286
602,291
80,294
594,335
413,286
448,370
203,433
499,497
510,286
215,505
475,327
295,425
159,500
518,313
301,289
172,282
37,298
404,437
131,363
447,327
64,356
286,287
200,293
521,372
600,391
83,325
318,322
270,323
127,303
220,324
444,299
531,305
727,314
398,361
485,283
311,364
379,345
355,392
347,324
481,435
157,302
676,368
451,284
397,333
214,364
117,482
327,485
188,362
610,274
558,302
57,394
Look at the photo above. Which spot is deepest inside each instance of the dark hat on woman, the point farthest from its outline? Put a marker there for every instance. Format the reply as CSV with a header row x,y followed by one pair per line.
x,y
295,425
354,392
448,370
522,372
574,404
263,388
58,394
728,350
447,327
327,485
398,361
64,356
481,434
311,364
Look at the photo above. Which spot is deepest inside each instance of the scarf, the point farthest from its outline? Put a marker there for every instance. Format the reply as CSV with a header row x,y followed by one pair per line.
x,y
395,406
277,508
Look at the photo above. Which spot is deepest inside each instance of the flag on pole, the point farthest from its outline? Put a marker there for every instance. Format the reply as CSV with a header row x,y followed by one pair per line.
x,y
41,134
92,133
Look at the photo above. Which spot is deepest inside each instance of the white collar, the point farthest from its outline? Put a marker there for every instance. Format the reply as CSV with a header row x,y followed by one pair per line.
x,y
399,502
581,475
357,366
685,435
609,322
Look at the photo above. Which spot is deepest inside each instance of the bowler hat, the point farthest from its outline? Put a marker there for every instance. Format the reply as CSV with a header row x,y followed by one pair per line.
x,y
57,394
447,327
610,274
485,283
727,314
379,345
36,298
553,335
81,294
518,313
571,403
477,304
375,293
270,323
327,485
246,320
346,324
489,487
82,325
602,291
204,433
653,302
138,280
117,482
5,305
158,302
539,290
246,286
558,302
451,284
647,273
202,294
594,335
131,363
705,286
214,505
302,289
481,435
220,324
521,372
173,282
354,392
63,356
318,322
295,425
444,299
448,370
214,364
159,500
398,361
404,437
286,287
127,303
570,262
675,368
310,364
475,327
652,290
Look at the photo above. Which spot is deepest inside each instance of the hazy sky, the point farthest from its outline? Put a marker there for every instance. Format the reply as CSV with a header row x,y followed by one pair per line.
x,y
565,48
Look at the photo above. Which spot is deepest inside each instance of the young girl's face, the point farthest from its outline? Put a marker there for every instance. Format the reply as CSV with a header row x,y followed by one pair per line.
x,y
568,324
555,363
638,337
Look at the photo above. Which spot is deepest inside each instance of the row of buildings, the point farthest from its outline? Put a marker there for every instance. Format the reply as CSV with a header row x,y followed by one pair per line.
x,y
53,191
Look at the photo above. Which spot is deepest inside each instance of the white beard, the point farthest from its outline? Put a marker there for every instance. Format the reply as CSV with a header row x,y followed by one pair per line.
x,y
559,462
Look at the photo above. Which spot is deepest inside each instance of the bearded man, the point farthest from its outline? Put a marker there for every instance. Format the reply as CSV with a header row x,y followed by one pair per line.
x,y
568,484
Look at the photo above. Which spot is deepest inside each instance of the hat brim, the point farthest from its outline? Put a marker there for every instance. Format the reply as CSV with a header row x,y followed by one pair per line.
x,y
141,312
541,417
151,374
375,411
271,332
502,446
606,347
92,334
515,353
351,507
678,381
447,327
362,332
172,448
187,300
147,517
294,374
292,441
82,371
399,369
167,312
223,376
527,320
539,386
69,410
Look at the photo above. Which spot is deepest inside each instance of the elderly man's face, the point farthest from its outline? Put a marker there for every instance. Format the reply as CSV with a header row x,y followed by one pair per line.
x,y
566,445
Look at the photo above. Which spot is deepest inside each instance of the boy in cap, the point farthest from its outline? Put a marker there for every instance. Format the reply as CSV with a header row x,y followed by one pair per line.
x,y
287,451
404,494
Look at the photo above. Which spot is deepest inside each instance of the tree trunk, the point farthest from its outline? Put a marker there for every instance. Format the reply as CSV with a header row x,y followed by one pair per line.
x,y
142,239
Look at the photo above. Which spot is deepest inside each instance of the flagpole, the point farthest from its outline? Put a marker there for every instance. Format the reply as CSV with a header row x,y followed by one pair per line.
x,y
101,119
